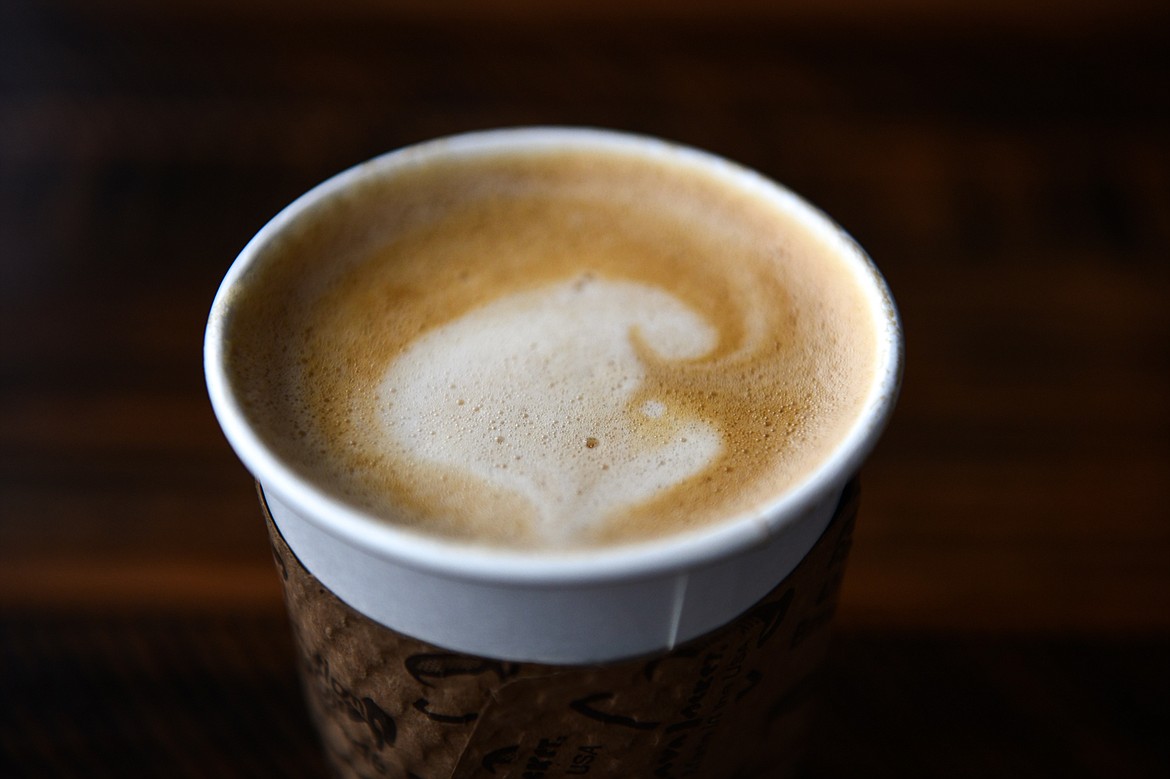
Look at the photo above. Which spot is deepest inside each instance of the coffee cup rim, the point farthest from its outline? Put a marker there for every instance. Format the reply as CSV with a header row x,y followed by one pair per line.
x,y
636,559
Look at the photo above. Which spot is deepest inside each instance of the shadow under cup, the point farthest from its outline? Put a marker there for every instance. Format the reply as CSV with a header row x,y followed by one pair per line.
x,y
692,655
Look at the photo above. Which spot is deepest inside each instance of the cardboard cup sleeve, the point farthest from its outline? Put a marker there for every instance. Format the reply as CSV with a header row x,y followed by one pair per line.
x,y
728,704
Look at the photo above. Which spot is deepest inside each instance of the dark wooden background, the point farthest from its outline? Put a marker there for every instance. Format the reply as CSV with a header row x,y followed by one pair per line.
x,y
1007,609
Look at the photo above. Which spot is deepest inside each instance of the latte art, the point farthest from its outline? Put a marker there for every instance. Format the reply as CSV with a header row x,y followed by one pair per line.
x,y
552,348
543,395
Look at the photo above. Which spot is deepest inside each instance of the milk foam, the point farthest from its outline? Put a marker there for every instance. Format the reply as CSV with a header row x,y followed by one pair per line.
x,y
541,394
584,312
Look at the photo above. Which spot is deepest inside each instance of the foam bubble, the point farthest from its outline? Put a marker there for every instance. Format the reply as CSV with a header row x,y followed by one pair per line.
x,y
654,408
537,394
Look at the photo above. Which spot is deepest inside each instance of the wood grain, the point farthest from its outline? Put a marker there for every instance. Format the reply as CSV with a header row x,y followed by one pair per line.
x,y
1014,188
1008,598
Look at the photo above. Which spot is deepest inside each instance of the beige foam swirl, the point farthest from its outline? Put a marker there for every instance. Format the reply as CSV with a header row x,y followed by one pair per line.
x,y
534,396
728,321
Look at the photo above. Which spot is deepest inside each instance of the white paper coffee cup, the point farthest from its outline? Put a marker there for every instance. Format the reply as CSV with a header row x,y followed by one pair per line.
x,y
556,607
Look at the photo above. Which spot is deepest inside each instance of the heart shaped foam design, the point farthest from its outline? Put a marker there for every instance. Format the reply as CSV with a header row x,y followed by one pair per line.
x,y
542,394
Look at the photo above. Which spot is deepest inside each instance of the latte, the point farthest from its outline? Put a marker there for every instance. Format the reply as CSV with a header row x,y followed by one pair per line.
x,y
553,347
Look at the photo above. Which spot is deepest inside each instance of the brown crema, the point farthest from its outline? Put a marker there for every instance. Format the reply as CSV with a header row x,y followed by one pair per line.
x,y
343,291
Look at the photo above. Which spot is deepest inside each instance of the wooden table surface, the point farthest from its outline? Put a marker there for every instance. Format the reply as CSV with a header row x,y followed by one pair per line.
x,y
1007,607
